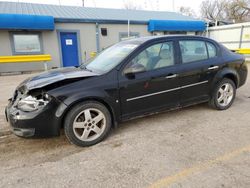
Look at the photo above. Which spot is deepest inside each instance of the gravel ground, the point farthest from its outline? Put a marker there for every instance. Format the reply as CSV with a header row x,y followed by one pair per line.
x,y
192,147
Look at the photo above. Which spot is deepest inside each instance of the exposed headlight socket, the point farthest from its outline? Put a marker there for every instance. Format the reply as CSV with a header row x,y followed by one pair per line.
x,y
31,103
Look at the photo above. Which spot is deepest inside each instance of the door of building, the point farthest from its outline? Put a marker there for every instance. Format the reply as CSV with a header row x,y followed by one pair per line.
x,y
69,46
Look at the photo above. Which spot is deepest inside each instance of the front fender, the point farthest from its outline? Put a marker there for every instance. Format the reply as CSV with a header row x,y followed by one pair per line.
x,y
102,97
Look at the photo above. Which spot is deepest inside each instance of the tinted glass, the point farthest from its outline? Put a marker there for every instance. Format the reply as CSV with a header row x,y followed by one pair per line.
x,y
154,57
193,50
211,50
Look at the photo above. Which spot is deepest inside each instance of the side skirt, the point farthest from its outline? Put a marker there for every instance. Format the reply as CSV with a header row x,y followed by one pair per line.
x,y
162,111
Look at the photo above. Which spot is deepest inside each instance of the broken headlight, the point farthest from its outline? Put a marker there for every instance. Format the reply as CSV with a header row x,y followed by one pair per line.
x,y
31,103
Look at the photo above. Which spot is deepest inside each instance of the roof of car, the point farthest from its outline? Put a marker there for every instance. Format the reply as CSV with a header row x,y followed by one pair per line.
x,y
141,40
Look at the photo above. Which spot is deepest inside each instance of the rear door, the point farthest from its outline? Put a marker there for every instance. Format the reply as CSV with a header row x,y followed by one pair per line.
x,y
154,88
199,63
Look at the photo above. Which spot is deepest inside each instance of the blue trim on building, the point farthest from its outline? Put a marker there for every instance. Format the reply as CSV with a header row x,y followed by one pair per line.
x,y
37,22
176,25
26,22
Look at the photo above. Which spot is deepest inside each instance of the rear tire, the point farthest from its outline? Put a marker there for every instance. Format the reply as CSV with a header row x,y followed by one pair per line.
x,y
87,123
223,95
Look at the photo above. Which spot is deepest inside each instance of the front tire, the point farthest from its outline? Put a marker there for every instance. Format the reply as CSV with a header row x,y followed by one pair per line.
x,y
223,95
87,123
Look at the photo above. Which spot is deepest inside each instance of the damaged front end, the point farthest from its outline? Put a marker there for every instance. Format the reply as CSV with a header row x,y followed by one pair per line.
x,y
31,103
32,114
32,111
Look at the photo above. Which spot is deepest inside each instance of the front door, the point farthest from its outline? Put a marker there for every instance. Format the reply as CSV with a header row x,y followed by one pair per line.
x,y
149,82
69,48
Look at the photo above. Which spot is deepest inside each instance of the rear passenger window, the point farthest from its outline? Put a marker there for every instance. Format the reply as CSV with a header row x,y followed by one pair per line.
x,y
211,50
193,50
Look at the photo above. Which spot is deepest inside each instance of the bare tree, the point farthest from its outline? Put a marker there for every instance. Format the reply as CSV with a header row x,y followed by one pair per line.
x,y
226,10
239,10
214,10
187,11
129,4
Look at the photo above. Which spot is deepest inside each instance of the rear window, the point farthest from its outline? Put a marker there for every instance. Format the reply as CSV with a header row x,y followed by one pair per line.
x,y
193,50
212,52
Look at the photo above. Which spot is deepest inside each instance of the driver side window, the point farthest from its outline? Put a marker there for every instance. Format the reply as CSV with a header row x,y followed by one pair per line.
x,y
154,57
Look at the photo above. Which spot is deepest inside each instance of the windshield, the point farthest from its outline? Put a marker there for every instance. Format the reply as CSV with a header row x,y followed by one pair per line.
x,y
110,57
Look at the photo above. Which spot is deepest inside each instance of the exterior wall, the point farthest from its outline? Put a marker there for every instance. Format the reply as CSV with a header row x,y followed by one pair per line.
x,y
6,50
233,36
50,46
87,37
51,43
5,43
113,31
191,33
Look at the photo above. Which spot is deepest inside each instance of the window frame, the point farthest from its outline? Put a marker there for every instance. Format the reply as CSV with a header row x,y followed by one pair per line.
x,y
175,54
14,52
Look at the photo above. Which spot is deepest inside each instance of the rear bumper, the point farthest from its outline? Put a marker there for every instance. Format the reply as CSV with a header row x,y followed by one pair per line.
x,y
243,74
40,123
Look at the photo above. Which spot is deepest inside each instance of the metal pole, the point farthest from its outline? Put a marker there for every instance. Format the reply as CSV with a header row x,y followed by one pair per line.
x,y
128,28
97,38
207,29
241,34
45,66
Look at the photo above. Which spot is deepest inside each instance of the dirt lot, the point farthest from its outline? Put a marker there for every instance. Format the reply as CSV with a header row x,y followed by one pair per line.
x,y
193,147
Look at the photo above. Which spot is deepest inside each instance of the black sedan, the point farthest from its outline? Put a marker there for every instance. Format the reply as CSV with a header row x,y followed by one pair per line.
x,y
130,79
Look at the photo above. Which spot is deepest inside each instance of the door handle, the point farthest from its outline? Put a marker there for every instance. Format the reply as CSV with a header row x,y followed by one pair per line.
x,y
213,67
171,76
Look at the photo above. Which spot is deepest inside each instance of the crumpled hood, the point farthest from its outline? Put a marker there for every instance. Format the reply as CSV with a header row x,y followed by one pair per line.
x,y
53,76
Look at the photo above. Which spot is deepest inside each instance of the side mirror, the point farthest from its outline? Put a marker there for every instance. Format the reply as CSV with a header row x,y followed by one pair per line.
x,y
131,71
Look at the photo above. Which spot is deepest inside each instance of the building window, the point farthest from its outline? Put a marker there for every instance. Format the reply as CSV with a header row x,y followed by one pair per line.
x,y
26,43
124,35
104,31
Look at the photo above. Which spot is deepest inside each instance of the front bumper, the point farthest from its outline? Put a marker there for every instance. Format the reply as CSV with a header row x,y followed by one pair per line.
x,y
40,123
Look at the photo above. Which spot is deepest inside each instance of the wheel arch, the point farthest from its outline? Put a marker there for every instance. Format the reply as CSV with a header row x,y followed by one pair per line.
x,y
227,73
95,99
233,78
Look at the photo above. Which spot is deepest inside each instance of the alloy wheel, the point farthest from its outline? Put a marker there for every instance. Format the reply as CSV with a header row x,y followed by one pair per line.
x,y
89,124
225,94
